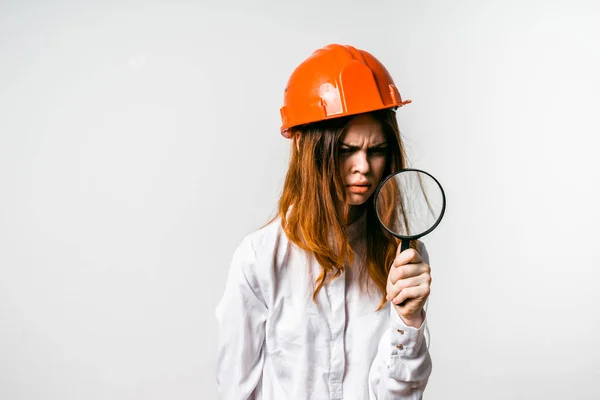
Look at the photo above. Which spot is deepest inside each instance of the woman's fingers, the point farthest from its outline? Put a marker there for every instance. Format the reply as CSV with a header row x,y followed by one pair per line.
x,y
397,287
409,281
413,292
394,289
407,271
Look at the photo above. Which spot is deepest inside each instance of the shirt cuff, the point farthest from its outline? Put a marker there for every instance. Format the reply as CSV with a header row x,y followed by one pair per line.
x,y
406,340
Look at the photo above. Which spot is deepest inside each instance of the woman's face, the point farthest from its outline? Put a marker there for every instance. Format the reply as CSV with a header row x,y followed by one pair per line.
x,y
362,158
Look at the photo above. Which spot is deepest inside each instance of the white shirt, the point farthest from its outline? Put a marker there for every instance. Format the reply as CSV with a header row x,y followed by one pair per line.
x,y
275,343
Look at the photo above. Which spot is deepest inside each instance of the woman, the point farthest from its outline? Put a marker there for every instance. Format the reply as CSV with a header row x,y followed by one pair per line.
x,y
320,303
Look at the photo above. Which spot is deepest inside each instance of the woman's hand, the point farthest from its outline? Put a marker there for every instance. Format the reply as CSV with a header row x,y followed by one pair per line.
x,y
408,284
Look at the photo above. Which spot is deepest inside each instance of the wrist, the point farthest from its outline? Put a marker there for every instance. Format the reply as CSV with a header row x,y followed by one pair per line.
x,y
414,321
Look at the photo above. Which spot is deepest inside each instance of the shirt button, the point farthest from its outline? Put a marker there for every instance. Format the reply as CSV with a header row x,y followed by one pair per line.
x,y
399,346
400,331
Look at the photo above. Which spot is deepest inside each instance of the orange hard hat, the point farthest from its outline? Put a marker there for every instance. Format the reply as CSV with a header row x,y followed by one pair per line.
x,y
337,81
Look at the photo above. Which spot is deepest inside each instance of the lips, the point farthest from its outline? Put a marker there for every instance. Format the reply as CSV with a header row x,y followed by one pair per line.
x,y
359,187
360,183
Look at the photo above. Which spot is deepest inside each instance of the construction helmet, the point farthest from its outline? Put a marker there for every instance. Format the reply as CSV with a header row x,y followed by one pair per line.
x,y
337,81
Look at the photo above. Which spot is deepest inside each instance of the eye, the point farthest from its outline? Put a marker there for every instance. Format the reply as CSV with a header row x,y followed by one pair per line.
x,y
345,150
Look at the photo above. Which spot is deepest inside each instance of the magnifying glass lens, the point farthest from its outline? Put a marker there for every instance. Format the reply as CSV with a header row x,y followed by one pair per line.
x,y
410,204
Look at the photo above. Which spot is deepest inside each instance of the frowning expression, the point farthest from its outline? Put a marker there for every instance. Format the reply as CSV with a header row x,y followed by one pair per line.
x,y
362,158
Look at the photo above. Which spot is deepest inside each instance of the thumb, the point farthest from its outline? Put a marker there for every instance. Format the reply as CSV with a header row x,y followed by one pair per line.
x,y
403,245
408,256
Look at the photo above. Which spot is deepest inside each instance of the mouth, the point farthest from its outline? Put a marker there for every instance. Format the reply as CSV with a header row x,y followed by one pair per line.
x,y
359,187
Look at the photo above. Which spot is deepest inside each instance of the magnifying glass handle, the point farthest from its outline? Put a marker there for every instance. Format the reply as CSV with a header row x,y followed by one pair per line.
x,y
405,245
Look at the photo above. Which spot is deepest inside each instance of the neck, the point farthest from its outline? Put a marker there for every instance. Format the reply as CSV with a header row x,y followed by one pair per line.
x,y
355,213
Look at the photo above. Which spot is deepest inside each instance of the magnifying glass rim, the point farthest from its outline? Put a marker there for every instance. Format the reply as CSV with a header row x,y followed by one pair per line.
x,y
413,237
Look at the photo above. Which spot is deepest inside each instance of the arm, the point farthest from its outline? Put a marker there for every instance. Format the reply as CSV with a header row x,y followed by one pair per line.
x,y
402,366
241,316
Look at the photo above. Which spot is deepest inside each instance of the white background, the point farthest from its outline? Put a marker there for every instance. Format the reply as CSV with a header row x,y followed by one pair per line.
x,y
139,144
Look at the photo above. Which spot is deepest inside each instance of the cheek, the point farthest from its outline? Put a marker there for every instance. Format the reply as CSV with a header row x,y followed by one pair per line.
x,y
378,167
344,164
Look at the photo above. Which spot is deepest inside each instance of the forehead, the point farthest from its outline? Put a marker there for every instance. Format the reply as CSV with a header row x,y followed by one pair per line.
x,y
363,129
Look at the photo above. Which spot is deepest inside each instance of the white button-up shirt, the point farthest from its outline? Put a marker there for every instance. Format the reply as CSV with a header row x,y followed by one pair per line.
x,y
275,343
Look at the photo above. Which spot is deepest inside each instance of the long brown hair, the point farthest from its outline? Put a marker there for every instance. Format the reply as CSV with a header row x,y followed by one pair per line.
x,y
313,188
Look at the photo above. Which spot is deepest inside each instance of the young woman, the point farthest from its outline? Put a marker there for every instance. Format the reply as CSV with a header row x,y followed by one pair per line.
x,y
320,303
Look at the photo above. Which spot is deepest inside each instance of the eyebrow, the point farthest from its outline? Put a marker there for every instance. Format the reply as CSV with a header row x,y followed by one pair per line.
x,y
375,146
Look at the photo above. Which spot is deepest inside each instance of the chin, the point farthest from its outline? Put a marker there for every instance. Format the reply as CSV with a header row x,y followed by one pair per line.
x,y
353,199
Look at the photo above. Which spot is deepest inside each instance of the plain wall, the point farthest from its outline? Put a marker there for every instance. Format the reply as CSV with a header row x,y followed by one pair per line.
x,y
139,143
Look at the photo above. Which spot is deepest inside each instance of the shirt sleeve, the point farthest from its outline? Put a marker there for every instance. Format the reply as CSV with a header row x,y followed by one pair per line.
x,y
402,366
241,316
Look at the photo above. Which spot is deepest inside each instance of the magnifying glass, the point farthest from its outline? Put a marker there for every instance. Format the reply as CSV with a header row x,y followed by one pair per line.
x,y
410,204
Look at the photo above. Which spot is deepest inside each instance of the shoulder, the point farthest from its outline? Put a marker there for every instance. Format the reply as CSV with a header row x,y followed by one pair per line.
x,y
262,258
263,251
267,236
264,240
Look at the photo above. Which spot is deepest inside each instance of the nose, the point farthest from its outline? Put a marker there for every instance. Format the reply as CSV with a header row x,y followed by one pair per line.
x,y
361,163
